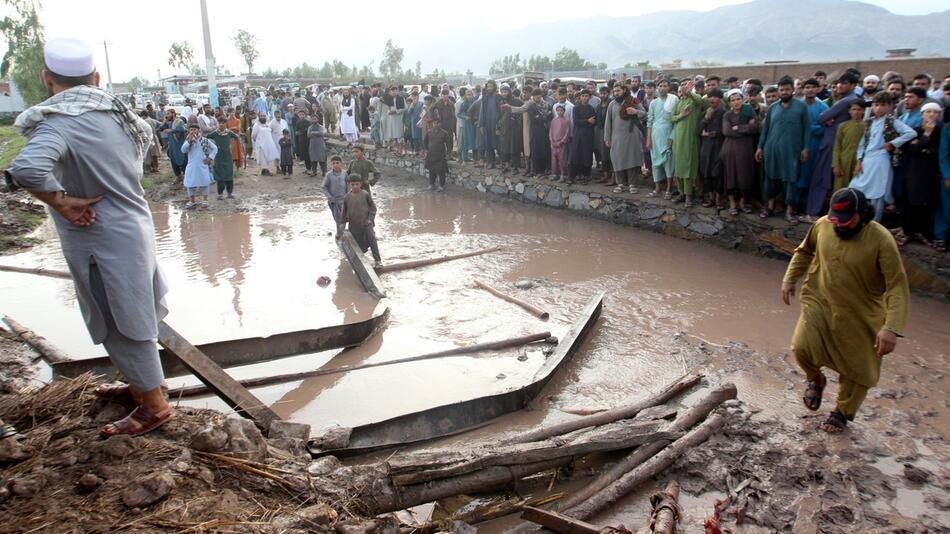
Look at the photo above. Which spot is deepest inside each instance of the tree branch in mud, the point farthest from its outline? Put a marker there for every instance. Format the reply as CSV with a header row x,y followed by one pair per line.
x,y
684,421
388,268
669,392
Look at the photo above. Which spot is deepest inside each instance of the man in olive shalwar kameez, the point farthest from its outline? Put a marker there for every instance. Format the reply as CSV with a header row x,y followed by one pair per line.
x,y
83,157
853,304
685,117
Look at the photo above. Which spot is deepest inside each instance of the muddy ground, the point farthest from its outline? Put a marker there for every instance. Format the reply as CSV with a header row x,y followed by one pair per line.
x,y
888,473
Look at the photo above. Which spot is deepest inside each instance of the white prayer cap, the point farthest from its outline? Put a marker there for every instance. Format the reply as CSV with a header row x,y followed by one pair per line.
x,y
68,57
871,78
731,92
505,86
931,105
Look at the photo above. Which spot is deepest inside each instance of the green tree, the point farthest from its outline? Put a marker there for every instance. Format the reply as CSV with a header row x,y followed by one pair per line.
x,y
391,64
418,72
340,70
246,43
539,64
23,60
507,65
181,55
326,71
569,59
137,83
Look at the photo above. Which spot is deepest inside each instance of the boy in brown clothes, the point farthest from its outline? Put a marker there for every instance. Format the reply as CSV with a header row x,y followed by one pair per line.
x,y
359,211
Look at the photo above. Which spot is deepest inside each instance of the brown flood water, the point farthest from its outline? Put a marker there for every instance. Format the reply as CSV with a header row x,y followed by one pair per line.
x,y
250,274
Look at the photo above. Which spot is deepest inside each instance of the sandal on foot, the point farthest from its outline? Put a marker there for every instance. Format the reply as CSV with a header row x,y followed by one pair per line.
x,y
117,392
835,424
667,195
812,396
747,210
940,245
707,204
139,422
765,214
653,194
733,211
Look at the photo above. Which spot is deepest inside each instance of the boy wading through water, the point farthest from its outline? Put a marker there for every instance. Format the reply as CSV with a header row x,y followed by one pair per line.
x,y
853,304
335,188
359,211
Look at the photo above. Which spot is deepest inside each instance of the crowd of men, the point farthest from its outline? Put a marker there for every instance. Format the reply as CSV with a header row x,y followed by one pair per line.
x,y
735,145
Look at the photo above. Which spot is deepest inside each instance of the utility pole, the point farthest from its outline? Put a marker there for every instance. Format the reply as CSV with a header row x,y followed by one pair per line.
x,y
209,56
108,69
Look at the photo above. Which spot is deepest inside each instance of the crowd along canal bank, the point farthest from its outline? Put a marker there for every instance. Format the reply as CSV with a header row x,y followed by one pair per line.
x,y
927,270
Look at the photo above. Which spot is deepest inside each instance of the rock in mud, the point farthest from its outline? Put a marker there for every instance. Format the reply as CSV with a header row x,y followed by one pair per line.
x,y
323,466
118,446
11,450
244,439
334,438
381,525
88,482
210,439
149,490
288,429
524,283
916,474
28,485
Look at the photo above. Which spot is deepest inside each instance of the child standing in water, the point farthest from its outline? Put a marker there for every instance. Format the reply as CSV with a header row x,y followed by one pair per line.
x,y
359,211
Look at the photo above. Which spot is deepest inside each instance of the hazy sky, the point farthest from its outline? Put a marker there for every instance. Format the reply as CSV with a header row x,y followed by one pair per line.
x,y
293,31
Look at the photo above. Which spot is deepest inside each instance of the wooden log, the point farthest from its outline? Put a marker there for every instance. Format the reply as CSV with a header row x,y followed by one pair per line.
x,y
649,469
417,469
665,510
624,412
361,266
532,309
46,350
483,513
558,522
777,240
52,273
432,261
684,421
192,391
230,391
486,480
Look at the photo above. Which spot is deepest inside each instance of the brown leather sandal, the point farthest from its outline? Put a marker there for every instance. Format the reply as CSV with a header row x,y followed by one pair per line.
x,y
139,422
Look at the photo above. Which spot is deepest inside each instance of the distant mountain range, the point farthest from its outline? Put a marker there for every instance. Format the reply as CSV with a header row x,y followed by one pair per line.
x,y
761,30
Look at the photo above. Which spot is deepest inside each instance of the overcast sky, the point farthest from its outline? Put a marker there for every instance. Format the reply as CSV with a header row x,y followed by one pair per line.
x,y
291,32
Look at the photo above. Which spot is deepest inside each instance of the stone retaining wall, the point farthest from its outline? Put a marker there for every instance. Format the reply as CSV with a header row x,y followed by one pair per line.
x,y
929,271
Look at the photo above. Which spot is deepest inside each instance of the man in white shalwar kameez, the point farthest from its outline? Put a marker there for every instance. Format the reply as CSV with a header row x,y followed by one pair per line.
x,y
265,151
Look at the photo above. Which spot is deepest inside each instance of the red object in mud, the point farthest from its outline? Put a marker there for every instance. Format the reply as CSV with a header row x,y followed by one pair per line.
x,y
323,281
712,523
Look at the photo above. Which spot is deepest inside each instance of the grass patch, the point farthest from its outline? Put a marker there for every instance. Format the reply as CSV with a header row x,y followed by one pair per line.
x,y
10,145
151,181
32,220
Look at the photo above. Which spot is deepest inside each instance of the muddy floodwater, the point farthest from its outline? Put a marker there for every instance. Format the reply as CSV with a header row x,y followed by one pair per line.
x,y
253,272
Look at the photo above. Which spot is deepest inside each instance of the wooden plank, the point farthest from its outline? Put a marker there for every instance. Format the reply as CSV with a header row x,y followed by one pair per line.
x,y
236,352
449,419
415,264
46,350
558,522
226,387
361,266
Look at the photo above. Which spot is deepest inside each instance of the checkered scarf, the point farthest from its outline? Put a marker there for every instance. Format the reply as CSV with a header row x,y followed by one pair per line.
x,y
78,100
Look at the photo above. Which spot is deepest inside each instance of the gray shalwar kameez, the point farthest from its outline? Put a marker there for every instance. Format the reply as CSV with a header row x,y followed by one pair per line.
x,y
112,262
626,147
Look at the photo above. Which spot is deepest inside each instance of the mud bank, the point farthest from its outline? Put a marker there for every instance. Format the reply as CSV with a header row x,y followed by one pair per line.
x,y
928,270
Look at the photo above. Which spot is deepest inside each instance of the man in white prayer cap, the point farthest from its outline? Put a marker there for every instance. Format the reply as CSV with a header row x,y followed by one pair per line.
x,y
871,85
83,158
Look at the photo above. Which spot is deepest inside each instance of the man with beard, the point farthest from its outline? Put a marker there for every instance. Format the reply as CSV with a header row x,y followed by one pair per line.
x,y
391,108
300,124
816,132
853,303
83,158
582,140
365,97
538,115
622,137
488,110
348,117
510,135
871,85
821,180
783,145
600,145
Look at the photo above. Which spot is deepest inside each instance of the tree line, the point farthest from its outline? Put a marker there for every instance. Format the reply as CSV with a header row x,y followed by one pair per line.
x,y
566,59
